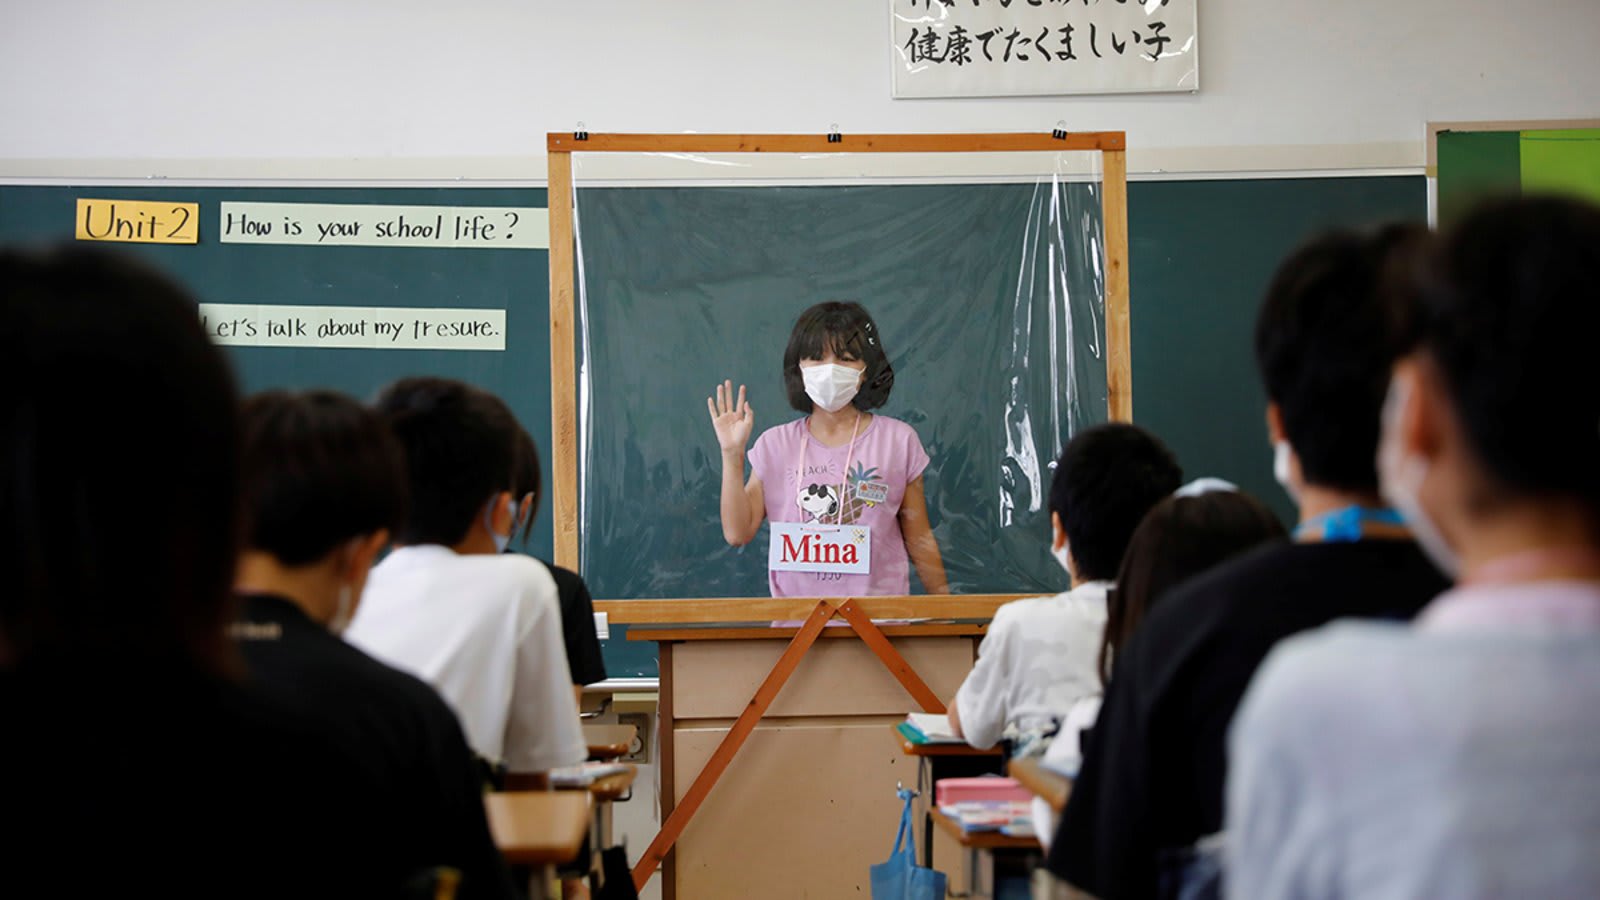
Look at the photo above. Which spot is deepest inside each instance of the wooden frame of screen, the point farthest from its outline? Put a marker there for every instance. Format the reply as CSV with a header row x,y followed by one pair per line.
x,y
1112,146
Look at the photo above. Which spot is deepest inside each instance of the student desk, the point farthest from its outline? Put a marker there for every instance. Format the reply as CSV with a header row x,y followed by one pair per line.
x,y
977,843
936,761
604,792
607,742
1051,787
538,828
808,804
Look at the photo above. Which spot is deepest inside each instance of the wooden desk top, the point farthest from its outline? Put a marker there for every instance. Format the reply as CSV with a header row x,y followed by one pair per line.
x,y
609,741
538,827
983,840
910,749
1051,787
758,631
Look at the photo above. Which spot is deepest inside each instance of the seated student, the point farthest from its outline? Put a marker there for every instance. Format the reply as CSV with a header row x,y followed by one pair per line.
x,y
1153,767
577,607
1457,756
133,756
482,627
1038,658
1204,524
324,481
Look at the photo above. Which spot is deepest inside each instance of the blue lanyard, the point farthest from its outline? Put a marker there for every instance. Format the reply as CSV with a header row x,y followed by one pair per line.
x,y
1345,525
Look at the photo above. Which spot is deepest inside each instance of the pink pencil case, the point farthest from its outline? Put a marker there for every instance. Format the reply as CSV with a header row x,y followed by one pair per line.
x,y
988,789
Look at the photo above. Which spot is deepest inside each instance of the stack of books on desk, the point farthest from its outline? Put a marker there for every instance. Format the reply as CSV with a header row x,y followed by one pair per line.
x,y
928,728
1009,817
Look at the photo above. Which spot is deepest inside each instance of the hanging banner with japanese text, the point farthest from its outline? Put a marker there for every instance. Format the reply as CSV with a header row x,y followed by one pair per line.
x,y
995,48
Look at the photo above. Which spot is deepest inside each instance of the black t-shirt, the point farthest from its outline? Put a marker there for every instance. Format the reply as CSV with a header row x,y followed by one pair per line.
x,y
123,772
407,738
1155,762
577,626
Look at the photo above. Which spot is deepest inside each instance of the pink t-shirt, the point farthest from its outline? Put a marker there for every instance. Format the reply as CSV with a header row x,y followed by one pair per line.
x,y
888,456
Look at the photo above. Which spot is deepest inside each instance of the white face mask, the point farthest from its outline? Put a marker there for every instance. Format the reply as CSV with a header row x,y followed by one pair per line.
x,y
831,386
342,613
1282,459
1400,479
501,541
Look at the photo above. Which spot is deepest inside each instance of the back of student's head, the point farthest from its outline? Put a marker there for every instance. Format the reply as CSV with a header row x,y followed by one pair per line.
x,y
1108,477
1507,305
1178,539
318,470
1324,346
118,464
460,449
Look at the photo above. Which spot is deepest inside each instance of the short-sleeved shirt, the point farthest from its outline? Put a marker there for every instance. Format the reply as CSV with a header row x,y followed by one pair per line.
x,y
1154,764
484,630
861,485
578,633
1453,758
1038,659
406,737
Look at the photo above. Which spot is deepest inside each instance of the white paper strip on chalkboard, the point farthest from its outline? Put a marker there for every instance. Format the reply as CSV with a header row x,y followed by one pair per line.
x,y
353,327
371,225
998,48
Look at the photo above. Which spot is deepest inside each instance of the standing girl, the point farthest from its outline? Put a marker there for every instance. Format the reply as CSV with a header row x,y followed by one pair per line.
x,y
842,486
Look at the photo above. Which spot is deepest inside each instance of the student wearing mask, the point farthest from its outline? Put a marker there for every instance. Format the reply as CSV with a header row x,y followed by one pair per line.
x,y
1154,765
1456,756
324,482
1038,658
449,606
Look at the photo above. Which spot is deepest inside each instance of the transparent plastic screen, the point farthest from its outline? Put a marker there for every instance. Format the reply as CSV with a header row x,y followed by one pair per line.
x,y
987,285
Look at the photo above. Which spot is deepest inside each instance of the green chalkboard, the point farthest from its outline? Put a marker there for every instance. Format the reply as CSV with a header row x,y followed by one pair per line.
x,y
1201,254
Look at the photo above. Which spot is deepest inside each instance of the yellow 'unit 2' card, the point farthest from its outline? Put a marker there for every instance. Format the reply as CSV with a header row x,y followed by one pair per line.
x,y
138,221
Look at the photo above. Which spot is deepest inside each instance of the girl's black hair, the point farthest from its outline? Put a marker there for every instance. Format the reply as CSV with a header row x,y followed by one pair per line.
x,y
847,330
1178,539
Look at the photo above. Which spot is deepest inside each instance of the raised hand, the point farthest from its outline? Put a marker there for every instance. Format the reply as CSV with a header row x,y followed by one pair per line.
x,y
732,420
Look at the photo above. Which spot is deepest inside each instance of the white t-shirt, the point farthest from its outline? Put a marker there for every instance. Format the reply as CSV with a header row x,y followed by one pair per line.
x,y
485,631
1035,663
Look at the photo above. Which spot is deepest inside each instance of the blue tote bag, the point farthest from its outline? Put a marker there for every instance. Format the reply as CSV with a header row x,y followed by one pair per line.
x,y
899,877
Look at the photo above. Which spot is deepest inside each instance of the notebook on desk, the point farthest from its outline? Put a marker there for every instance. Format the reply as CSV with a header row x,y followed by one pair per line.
x,y
929,728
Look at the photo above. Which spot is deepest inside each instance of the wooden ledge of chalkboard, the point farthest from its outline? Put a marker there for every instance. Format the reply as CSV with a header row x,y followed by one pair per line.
x,y
1017,142
751,609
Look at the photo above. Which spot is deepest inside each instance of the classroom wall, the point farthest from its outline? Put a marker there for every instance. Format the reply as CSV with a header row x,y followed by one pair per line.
x,y
418,88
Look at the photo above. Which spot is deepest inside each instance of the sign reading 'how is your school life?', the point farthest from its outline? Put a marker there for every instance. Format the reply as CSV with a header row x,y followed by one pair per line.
x,y
993,48
354,327
375,225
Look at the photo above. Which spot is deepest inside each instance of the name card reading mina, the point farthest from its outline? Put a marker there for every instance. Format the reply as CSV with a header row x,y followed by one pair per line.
x,y
844,549
354,327
372,225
